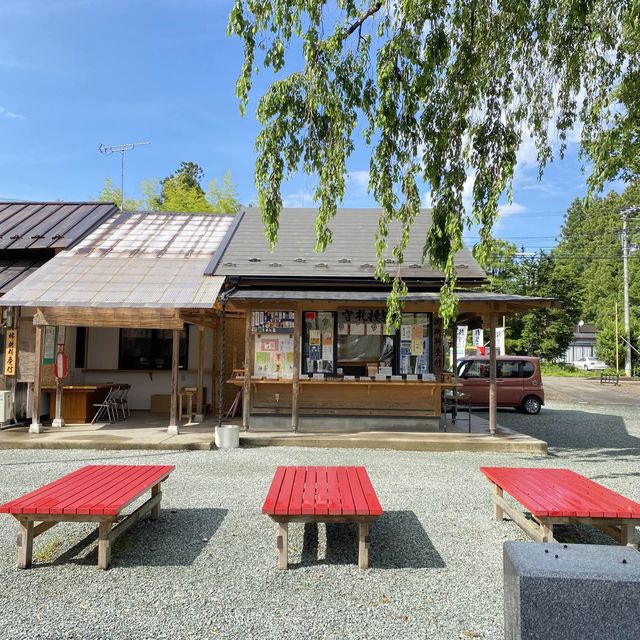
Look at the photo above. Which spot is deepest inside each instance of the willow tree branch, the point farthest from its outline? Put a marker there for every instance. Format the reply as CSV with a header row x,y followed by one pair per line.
x,y
367,14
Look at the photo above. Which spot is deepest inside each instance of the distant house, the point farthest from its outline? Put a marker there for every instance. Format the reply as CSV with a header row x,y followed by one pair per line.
x,y
583,344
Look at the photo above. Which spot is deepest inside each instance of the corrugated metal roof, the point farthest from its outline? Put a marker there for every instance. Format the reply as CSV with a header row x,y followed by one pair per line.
x,y
132,260
49,225
350,255
381,296
13,272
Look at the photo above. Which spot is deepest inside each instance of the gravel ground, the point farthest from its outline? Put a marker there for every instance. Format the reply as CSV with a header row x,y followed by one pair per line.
x,y
206,569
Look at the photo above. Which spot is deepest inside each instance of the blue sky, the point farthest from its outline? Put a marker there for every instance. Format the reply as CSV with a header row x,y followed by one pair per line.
x,y
77,73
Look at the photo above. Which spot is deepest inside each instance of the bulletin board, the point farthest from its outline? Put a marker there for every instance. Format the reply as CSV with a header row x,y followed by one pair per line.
x,y
273,355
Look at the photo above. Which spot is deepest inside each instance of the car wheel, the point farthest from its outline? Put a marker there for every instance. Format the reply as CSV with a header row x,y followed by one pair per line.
x,y
586,367
531,405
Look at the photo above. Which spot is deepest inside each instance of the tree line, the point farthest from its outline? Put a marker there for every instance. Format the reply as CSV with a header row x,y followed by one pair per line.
x,y
584,270
183,190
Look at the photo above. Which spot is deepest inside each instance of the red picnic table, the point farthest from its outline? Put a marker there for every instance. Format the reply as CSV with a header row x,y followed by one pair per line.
x,y
322,494
95,493
562,496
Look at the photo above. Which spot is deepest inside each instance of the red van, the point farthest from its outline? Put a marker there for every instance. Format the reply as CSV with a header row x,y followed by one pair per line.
x,y
519,381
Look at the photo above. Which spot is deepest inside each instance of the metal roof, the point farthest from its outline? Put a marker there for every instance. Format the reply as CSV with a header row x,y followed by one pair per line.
x,y
135,259
49,225
381,296
13,272
350,255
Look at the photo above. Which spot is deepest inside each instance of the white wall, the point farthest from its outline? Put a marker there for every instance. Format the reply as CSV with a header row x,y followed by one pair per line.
x,y
102,367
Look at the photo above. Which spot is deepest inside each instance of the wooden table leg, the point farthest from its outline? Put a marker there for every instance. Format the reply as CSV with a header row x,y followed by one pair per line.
x,y
283,545
629,536
104,545
25,544
546,531
498,513
156,490
363,545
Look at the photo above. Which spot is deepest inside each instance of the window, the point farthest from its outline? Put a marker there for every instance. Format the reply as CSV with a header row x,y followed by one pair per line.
x,y
508,369
150,349
318,342
527,369
475,369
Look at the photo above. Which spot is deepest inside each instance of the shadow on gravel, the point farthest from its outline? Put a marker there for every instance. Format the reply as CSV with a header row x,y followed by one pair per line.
x,y
576,430
176,540
398,541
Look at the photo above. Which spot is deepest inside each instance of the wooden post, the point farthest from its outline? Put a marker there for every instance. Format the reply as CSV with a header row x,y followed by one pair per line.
x,y
498,513
248,371
36,425
104,545
156,490
283,546
200,381
493,387
214,368
363,546
25,544
295,393
173,428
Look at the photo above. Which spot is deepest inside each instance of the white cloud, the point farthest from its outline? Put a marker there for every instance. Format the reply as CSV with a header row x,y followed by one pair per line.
x,y
5,113
358,183
511,209
299,199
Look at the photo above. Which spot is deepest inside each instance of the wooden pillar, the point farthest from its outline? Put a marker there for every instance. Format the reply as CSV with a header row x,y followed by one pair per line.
x,y
214,368
173,427
200,379
454,351
248,371
221,362
295,394
36,425
493,387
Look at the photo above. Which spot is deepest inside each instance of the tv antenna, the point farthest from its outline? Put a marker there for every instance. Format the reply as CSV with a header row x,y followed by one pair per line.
x,y
120,148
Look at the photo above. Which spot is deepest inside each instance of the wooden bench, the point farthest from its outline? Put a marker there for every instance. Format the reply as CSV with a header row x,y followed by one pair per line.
x,y
322,494
610,378
95,493
561,496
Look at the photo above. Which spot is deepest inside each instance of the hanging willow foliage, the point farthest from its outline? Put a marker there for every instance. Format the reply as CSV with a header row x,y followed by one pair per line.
x,y
447,91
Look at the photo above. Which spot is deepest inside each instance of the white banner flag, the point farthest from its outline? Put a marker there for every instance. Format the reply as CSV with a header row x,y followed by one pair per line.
x,y
478,337
500,347
462,341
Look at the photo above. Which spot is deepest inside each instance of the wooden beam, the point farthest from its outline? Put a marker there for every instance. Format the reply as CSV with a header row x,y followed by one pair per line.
x,y
200,377
36,425
295,398
248,371
135,318
173,427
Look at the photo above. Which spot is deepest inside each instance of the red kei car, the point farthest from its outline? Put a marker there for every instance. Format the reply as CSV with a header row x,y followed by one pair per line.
x,y
519,381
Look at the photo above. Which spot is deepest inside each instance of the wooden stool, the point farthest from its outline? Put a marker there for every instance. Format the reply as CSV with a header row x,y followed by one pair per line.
x,y
189,393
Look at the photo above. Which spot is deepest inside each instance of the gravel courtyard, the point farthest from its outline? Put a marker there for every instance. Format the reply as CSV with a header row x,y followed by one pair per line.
x,y
207,568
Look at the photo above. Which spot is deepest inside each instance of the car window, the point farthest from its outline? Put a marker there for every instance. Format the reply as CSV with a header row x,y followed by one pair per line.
x,y
476,369
527,369
508,369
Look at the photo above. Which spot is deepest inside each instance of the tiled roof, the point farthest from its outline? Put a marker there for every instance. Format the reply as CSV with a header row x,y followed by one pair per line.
x,y
350,255
48,225
134,259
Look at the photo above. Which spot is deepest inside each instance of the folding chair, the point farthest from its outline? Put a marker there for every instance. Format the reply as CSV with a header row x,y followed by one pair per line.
x,y
106,406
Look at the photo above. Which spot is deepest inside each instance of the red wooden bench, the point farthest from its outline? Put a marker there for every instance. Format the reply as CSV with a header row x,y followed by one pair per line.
x,y
95,493
561,496
322,494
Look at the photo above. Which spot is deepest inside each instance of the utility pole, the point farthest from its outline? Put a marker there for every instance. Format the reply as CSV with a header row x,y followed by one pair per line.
x,y
120,148
625,283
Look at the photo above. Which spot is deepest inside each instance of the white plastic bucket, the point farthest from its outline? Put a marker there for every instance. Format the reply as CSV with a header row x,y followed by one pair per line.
x,y
227,436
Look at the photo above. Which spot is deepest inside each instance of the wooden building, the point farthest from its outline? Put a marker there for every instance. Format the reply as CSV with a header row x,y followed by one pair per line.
x,y
136,309
31,234
316,345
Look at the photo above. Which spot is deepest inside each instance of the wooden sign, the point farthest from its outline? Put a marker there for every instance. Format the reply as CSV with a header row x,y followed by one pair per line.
x,y
10,351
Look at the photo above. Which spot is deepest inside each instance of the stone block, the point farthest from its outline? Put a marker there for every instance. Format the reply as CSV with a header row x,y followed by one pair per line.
x,y
571,592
